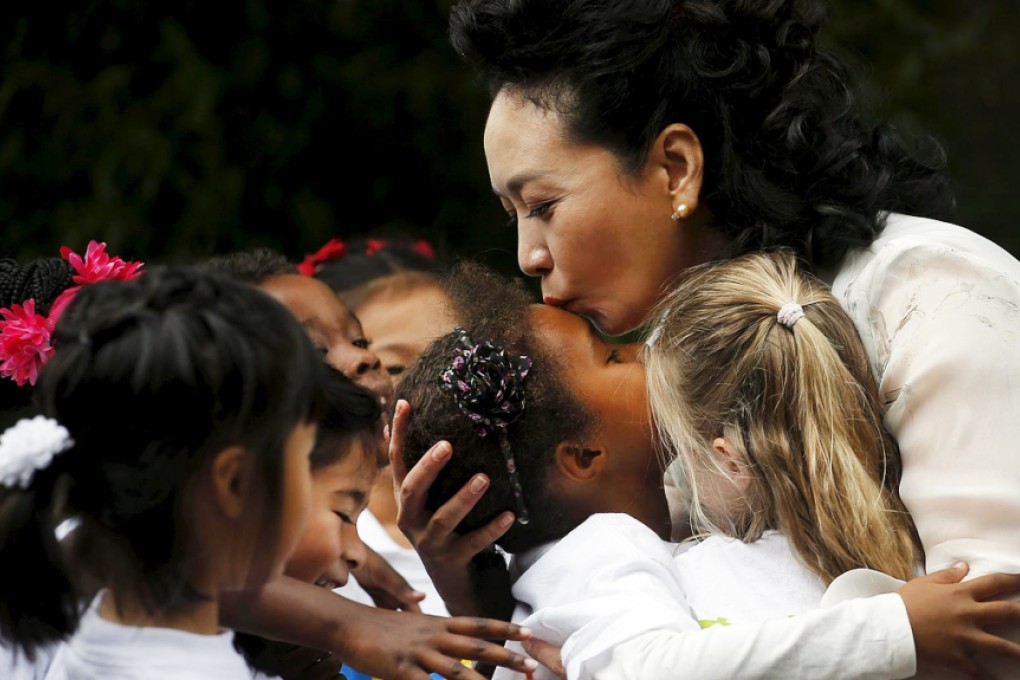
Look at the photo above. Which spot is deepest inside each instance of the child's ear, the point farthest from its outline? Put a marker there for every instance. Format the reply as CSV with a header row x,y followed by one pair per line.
x,y
579,463
231,480
733,462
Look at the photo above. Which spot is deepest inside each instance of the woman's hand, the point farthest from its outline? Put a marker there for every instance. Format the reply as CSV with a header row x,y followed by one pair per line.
x,y
449,557
949,618
389,590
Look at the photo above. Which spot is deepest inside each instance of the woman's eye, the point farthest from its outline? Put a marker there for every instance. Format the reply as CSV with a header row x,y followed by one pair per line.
x,y
344,517
360,343
541,209
395,370
322,349
614,357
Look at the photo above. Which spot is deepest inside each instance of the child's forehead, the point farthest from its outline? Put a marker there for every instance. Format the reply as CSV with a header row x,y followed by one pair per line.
x,y
307,298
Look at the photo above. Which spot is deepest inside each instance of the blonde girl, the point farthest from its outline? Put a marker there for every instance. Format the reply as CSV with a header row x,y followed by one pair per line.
x,y
765,404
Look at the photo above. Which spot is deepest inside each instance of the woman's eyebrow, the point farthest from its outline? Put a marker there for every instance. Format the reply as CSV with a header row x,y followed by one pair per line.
x,y
518,181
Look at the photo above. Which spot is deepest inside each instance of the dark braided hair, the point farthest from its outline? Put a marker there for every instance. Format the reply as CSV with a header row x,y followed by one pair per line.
x,y
789,160
41,280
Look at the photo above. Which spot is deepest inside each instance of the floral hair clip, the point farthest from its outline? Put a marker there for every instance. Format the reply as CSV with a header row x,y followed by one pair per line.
x,y
487,385
25,336
334,249
29,446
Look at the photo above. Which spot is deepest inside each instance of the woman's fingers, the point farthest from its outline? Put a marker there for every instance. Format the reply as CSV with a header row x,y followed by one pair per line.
x,y
547,655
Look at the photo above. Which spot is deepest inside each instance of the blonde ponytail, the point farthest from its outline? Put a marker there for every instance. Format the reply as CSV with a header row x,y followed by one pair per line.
x,y
798,402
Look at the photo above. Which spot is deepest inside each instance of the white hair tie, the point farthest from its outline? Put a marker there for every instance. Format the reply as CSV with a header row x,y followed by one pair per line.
x,y
29,446
789,314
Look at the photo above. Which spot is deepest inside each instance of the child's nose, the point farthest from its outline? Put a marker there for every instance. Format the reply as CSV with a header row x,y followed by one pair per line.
x,y
354,551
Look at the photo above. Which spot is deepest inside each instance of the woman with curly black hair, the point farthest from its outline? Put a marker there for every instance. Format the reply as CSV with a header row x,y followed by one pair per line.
x,y
631,141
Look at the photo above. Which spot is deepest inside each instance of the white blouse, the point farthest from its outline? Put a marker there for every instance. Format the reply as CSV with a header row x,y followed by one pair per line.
x,y
938,308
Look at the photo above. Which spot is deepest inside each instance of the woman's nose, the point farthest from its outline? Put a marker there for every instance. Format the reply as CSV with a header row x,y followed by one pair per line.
x,y
533,254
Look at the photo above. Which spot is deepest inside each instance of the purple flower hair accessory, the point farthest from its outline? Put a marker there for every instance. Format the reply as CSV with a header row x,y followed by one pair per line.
x,y
487,385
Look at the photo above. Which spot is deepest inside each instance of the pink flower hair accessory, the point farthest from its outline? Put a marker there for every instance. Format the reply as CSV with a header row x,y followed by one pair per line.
x,y
24,343
25,337
96,266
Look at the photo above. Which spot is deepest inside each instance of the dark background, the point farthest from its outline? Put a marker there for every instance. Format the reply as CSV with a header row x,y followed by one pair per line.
x,y
174,130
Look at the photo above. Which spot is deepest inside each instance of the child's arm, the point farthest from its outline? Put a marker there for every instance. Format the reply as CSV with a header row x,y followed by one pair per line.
x,y
386,644
933,621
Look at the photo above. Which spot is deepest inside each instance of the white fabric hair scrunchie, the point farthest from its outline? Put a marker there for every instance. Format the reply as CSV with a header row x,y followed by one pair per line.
x,y
789,314
28,447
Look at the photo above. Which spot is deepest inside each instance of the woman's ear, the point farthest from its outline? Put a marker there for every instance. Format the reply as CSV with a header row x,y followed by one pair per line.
x,y
579,463
678,151
231,480
733,463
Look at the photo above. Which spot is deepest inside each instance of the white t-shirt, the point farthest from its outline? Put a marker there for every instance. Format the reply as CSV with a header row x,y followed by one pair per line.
x,y
612,581
103,650
405,560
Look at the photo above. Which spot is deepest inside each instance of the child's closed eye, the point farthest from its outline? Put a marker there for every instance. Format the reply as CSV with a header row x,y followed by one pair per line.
x,y
344,517
614,357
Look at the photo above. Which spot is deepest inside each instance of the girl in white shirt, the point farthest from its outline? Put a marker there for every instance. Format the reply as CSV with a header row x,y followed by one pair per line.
x,y
554,417
179,415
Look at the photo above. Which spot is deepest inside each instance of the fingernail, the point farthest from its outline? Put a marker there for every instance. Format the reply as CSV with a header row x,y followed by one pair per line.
x,y
526,632
440,452
531,664
506,521
401,405
960,565
386,432
479,483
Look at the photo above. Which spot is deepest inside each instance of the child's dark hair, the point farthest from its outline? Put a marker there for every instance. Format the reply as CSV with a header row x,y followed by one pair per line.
x,y
41,280
150,377
250,266
352,413
494,310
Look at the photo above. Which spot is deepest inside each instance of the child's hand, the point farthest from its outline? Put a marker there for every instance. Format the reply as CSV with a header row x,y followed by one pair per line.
x,y
401,646
548,655
448,556
949,618
389,590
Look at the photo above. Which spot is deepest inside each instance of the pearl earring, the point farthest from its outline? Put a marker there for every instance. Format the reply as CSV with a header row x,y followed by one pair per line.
x,y
681,212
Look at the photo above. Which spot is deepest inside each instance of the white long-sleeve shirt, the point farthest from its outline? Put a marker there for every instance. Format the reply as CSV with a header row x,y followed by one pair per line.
x,y
612,582
938,309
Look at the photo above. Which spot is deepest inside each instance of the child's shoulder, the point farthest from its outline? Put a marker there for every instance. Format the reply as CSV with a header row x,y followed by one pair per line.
x,y
609,537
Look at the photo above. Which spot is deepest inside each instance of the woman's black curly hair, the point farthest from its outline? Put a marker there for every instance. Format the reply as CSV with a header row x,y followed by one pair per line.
x,y
789,161
492,309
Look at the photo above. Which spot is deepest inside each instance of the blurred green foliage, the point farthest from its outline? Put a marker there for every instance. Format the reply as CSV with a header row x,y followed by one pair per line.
x,y
173,130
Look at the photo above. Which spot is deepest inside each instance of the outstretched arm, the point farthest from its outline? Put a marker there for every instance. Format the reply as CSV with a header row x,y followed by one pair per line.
x,y
385,644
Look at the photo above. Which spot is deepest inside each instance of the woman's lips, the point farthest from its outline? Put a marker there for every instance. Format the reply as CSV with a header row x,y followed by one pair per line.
x,y
555,302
